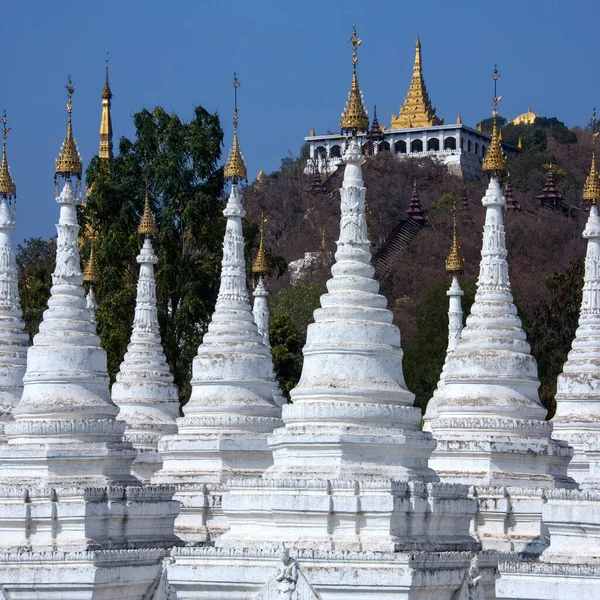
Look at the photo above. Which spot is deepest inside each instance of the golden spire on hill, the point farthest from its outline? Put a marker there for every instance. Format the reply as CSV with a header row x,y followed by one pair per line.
x,y
68,163
7,185
106,132
147,224
520,143
417,110
455,263
495,161
354,118
235,169
591,189
91,273
260,265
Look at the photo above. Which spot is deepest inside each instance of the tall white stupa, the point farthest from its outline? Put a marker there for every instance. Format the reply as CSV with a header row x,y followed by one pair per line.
x,y
13,337
231,411
144,390
70,509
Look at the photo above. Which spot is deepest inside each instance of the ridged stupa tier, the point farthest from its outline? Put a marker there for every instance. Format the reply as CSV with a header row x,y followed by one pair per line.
x,y
144,390
231,410
13,337
490,423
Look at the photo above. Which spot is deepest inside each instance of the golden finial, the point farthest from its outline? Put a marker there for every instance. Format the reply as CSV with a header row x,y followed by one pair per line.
x,y
591,189
260,266
354,118
68,163
106,133
312,131
323,244
479,126
7,185
500,134
495,161
455,263
147,225
235,169
106,91
520,143
458,120
91,273
260,177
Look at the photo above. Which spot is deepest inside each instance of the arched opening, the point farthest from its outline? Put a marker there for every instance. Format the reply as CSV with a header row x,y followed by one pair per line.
x,y
433,144
469,146
450,143
335,151
384,147
476,148
320,152
416,146
400,147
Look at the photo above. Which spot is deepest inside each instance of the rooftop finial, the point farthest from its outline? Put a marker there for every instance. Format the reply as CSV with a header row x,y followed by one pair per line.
x,y
354,118
147,224
106,92
260,265
235,169
7,185
106,132
68,163
495,161
591,189
455,263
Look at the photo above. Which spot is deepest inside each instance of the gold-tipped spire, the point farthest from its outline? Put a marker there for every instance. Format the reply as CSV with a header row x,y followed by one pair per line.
x,y
147,224
479,126
591,189
354,118
312,131
520,143
91,273
235,169
495,161
260,265
68,163
417,110
455,263
458,120
260,177
106,132
7,185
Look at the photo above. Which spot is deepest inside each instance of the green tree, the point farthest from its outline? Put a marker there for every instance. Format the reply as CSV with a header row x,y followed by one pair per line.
x,y
35,260
177,161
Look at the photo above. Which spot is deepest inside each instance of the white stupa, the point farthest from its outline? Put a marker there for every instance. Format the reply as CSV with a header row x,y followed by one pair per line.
x,y
578,387
70,510
13,337
231,410
144,390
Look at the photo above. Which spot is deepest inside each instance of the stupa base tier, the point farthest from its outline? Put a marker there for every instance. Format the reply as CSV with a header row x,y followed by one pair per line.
x,y
79,520
68,464
381,516
240,574
577,436
212,456
342,452
99,575
501,460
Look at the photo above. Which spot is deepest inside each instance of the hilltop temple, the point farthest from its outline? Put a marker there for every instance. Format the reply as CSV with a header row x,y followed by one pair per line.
x,y
112,494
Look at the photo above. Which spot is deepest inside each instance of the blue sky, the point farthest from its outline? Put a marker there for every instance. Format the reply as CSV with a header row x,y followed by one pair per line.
x,y
293,62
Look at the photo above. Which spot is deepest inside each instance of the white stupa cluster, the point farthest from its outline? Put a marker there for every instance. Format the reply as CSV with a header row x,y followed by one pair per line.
x,y
110,494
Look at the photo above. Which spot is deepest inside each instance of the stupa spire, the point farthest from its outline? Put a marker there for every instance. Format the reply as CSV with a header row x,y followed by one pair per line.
x,y
415,208
494,162
13,338
511,203
354,118
417,110
68,163
91,276
106,132
591,189
235,168
259,268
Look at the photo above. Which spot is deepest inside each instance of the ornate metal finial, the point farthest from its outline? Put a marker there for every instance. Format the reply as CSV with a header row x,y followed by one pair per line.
x,y
68,163
495,161
458,119
106,91
312,131
591,189
260,265
91,273
7,185
455,263
235,169
147,225
354,118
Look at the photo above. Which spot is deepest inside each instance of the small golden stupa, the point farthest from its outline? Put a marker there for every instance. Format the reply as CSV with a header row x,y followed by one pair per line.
x,y
354,118
235,169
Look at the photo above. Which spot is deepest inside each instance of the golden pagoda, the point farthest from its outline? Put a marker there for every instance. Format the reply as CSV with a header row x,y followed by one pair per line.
x,y
354,118
147,225
591,189
91,273
235,169
417,110
106,132
7,185
68,163
525,119
494,162
455,263
260,265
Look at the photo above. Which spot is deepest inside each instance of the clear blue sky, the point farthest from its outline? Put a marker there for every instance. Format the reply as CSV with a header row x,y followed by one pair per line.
x,y
293,62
